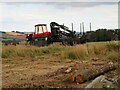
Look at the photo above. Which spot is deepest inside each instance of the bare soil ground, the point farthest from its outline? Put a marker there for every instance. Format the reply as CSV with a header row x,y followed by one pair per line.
x,y
45,71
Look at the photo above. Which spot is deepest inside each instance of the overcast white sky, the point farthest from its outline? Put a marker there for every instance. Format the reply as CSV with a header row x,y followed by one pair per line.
x,y
22,16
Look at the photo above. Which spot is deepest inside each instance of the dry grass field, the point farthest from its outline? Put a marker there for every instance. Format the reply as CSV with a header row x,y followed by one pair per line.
x,y
27,66
13,33
12,37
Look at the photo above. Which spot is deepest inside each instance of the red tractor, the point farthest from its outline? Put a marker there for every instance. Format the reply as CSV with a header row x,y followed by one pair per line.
x,y
40,36
59,33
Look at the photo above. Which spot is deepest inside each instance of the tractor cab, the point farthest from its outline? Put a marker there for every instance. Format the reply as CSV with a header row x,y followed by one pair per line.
x,y
41,30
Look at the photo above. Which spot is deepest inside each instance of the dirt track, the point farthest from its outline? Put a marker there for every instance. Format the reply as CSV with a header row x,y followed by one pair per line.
x,y
45,72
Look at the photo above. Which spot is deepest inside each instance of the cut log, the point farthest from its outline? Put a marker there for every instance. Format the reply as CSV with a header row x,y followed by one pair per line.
x,y
91,73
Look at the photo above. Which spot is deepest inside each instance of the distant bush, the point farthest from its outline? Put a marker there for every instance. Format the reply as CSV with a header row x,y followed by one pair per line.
x,y
2,32
20,32
101,35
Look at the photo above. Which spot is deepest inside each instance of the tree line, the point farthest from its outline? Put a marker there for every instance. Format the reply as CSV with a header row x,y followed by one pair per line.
x,y
101,35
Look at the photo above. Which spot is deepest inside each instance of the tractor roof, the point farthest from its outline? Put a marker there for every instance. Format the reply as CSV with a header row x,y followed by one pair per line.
x,y
40,25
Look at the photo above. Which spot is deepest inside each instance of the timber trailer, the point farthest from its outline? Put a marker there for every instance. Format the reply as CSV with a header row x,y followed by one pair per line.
x,y
59,33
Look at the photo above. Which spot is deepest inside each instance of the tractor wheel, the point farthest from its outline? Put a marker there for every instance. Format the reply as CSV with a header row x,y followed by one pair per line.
x,y
65,43
72,43
41,43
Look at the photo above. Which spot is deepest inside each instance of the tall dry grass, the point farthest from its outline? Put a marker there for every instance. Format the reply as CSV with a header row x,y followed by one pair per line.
x,y
26,51
108,50
75,52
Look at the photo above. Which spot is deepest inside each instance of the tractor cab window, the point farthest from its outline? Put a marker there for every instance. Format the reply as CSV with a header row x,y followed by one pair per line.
x,y
45,28
38,29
